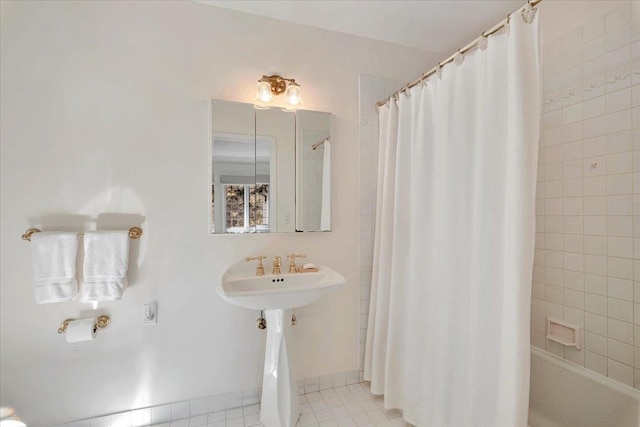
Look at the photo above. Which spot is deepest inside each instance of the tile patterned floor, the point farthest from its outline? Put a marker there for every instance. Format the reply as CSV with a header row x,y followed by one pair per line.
x,y
353,405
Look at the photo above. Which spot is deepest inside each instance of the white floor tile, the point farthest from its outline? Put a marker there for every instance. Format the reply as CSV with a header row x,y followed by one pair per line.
x,y
339,412
235,422
328,393
354,408
343,406
308,419
323,415
345,422
342,390
318,405
314,396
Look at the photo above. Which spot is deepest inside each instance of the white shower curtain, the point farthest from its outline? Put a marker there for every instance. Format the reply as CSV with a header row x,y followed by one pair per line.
x,y
448,334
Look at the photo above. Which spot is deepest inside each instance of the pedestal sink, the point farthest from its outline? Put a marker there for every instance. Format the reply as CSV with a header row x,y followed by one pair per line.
x,y
278,295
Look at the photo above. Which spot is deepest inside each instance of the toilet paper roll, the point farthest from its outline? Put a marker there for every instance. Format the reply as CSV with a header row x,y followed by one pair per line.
x,y
81,330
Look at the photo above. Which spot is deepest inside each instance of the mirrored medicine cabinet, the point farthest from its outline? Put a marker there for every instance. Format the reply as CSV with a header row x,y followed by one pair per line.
x,y
270,170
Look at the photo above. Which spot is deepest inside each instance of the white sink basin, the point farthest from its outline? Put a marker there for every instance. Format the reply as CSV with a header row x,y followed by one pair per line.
x,y
279,292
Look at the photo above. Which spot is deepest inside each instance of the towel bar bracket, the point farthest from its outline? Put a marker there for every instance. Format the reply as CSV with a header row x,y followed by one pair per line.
x,y
63,327
134,233
28,233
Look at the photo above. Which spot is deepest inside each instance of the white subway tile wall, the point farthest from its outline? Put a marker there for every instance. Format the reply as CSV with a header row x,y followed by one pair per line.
x,y
372,90
587,261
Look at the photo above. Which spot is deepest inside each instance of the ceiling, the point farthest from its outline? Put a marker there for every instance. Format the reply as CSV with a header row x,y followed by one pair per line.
x,y
439,26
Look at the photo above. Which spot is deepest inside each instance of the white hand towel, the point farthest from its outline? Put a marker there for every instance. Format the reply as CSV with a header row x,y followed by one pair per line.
x,y
106,260
54,265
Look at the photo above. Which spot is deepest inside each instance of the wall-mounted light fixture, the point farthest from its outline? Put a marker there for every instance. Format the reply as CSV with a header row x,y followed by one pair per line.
x,y
270,86
8,418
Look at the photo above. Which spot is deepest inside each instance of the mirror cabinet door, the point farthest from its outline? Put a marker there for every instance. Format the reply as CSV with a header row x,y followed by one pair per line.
x,y
270,170
275,169
313,171
233,154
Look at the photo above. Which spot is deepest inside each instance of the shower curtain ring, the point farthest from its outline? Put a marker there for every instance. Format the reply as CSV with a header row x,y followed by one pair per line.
x,y
458,58
528,13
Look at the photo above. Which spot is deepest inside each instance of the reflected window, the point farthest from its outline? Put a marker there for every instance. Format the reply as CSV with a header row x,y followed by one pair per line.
x,y
246,207
236,217
259,204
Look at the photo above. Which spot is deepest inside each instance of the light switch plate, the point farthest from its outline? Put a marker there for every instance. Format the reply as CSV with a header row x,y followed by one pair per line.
x,y
150,313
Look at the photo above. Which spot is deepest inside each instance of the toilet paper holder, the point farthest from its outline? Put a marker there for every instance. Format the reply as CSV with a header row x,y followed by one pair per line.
x,y
101,323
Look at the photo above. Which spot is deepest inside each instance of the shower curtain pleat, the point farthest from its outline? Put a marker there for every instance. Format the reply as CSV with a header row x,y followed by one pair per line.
x,y
448,335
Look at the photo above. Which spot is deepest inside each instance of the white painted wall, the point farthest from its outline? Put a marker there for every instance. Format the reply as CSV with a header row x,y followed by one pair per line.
x,y
104,109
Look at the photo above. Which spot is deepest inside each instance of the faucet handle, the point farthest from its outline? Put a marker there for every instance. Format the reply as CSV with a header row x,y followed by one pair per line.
x,y
292,264
260,268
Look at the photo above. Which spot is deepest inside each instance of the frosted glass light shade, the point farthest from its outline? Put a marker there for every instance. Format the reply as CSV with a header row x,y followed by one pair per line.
x,y
264,92
8,418
293,94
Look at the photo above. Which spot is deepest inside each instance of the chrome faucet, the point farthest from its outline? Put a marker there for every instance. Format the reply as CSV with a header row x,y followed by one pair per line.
x,y
292,265
277,263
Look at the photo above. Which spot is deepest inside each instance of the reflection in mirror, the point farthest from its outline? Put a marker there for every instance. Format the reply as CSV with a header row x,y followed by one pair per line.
x,y
234,167
266,177
241,168
313,208
280,127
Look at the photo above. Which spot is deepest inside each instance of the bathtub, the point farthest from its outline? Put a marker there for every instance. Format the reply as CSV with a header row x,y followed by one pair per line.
x,y
567,395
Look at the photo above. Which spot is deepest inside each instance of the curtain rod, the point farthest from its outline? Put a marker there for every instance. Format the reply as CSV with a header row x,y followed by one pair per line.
x,y
463,50
318,144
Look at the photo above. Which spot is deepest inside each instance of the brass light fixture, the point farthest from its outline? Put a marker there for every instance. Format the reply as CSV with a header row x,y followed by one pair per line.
x,y
270,86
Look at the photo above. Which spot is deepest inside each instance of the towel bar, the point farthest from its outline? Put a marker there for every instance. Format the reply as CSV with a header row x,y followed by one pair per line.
x,y
103,322
134,233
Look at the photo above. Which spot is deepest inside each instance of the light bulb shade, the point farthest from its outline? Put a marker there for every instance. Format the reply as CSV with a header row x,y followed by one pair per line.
x,y
8,418
293,94
264,92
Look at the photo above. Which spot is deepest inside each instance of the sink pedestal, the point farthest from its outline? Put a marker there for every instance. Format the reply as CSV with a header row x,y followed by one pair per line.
x,y
280,405
242,287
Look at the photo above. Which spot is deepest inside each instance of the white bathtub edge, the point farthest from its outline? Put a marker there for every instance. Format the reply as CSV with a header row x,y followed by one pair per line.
x,y
588,373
